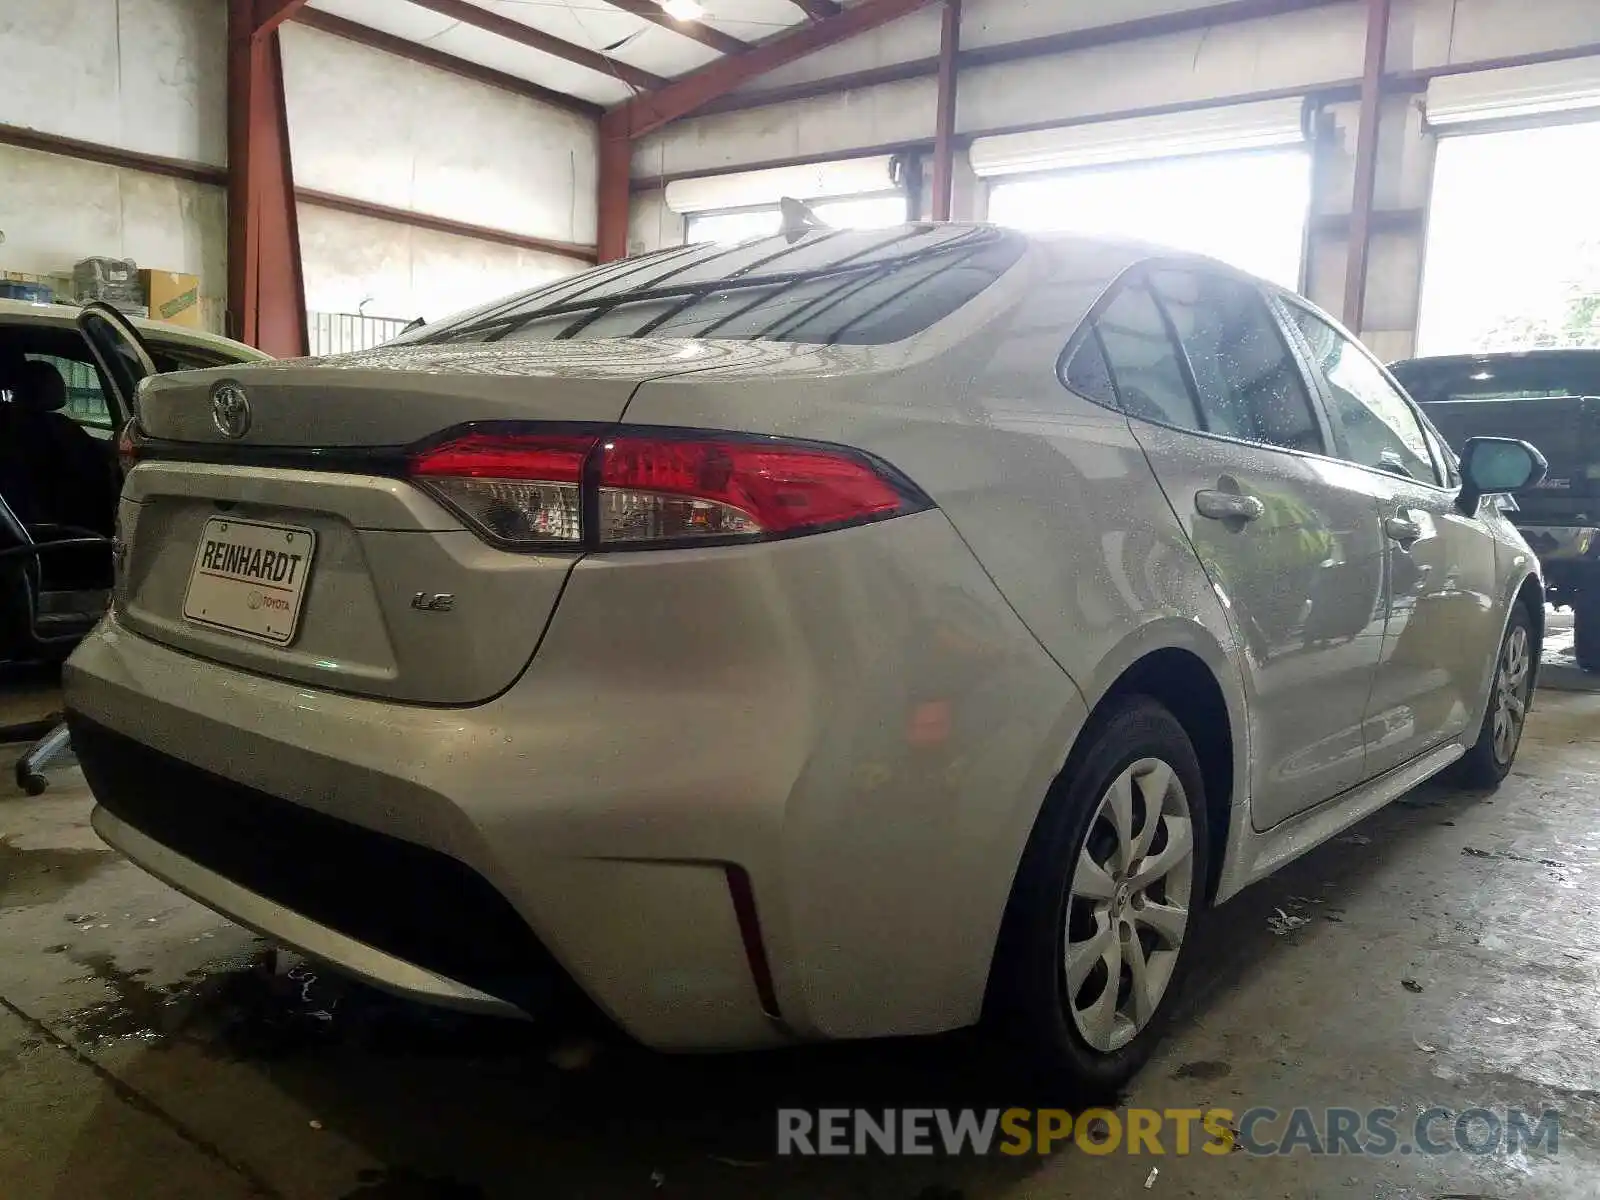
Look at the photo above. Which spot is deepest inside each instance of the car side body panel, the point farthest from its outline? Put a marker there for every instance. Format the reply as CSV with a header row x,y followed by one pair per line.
x,y
1052,493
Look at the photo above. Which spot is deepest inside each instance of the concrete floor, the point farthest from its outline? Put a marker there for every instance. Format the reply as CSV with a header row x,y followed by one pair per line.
x,y
149,1050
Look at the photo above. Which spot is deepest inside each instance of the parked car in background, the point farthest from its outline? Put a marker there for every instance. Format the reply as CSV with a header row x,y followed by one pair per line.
x,y
831,635
54,333
1551,398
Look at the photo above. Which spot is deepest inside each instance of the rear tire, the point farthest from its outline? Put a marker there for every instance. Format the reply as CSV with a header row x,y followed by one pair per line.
x,y
1510,696
1093,948
1586,631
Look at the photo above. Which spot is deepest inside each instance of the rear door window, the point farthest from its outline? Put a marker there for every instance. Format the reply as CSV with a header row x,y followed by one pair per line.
x,y
1144,360
1249,385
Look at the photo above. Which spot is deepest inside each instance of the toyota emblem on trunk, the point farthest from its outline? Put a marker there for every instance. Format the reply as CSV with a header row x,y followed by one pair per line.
x,y
230,410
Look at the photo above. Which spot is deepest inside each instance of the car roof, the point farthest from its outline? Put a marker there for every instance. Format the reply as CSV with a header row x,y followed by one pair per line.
x,y
26,312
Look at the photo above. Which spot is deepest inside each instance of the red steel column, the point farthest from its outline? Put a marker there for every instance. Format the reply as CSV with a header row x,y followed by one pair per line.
x,y
266,290
1355,276
944,146
616,163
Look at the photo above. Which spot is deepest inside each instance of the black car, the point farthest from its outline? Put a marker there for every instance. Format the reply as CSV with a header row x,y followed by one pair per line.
x,y
1552,399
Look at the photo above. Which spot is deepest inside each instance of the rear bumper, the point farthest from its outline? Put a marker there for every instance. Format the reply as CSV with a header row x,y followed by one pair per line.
x,y
284,924
855,727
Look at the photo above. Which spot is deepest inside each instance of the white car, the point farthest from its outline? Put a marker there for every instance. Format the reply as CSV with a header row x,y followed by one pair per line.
x,y
65,374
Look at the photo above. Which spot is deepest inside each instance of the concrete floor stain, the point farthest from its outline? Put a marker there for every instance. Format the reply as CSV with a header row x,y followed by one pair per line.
x,y
1204,1069
136,1009
30,877
403,1183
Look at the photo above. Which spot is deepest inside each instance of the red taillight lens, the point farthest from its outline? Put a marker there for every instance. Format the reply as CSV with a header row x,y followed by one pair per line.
x,y
666,490
528,489
520,489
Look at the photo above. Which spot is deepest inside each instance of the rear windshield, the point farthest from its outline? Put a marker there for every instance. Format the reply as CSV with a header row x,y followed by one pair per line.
x,y
1464,381
823,286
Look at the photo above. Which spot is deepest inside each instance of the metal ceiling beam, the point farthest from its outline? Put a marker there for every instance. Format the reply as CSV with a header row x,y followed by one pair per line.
x,y
1366,165
545,43
621,126
818,10
684,95
427,56
1192,20
413,219
266,290
706,35
944,138
269,14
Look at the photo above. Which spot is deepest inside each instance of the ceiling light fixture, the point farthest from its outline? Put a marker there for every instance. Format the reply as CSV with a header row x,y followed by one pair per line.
x,y
683,10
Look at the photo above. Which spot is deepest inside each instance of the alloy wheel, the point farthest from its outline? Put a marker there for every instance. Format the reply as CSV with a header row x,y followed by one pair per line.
x,y
1511,680
1128,904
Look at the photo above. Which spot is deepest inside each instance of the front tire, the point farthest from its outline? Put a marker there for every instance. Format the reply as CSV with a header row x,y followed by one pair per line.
x,y
1510,695
1093,946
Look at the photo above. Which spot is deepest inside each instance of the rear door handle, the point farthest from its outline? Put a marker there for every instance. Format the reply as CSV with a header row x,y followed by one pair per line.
x,y
1403,530
1228,506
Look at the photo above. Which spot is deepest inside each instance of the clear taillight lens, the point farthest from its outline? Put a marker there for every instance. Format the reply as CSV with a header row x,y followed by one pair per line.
x,y
520,490
637,489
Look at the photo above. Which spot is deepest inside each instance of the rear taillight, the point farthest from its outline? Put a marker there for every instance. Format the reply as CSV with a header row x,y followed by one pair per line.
x,y
636,489
520,489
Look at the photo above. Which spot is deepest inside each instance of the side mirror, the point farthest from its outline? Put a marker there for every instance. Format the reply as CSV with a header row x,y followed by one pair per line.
x,y
1494,466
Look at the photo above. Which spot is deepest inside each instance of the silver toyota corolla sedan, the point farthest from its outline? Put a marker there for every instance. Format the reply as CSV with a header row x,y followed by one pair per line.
x,y
832,635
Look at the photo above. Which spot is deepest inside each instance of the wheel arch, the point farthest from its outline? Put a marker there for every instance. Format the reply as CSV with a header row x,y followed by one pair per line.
x,y
1181,665
1189,675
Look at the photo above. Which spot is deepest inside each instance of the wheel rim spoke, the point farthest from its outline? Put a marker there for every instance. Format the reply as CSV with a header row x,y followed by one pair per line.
x,y
1098,1020
1082,956
1144,996
1119,809
1153,785
1168,920
1180,845
1091,881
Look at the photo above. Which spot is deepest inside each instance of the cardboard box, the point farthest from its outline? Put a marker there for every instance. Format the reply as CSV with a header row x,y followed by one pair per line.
x,y
172,297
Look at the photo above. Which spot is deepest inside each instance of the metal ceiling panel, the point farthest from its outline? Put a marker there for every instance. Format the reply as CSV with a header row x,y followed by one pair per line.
x,y
475,45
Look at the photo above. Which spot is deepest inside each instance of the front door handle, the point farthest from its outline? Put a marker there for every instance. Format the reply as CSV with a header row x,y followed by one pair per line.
x,y
1403,530
1228,506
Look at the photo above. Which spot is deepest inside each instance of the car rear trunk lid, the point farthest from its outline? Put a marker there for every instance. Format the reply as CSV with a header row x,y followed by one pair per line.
x,y
399,599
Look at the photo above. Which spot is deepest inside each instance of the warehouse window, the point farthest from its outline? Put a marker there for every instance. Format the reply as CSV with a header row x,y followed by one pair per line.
x,y
1513,260
861,212
1247,208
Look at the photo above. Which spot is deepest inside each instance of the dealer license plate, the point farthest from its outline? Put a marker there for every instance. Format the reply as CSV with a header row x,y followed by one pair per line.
x,y
250,578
